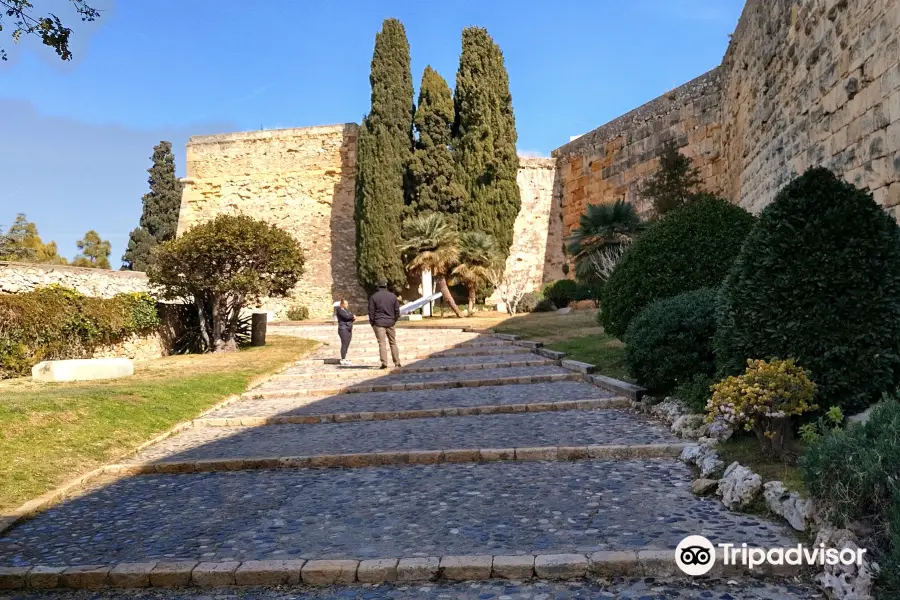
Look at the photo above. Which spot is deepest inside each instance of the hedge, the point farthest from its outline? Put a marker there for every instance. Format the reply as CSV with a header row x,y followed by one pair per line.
x,y
54,323
671,342
561,292
818,280
692,247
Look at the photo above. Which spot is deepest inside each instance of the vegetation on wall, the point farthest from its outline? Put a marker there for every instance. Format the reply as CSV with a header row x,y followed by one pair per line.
x,y
159,219
54,323
220,266
691,248
485,140
818,279
384,152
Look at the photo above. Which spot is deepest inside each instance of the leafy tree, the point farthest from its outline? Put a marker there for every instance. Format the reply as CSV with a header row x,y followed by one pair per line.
x,y
485,144
601,227
94,251
221,265
22,243
384,151
674,184
477,256
434,185
159,220
49,28
431,243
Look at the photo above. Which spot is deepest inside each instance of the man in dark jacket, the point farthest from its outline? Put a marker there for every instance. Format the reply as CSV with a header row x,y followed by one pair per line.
x,y
384,312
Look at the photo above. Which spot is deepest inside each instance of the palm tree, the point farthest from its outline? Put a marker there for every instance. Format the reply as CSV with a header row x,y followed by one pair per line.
x,y
601,226
431,243
477,255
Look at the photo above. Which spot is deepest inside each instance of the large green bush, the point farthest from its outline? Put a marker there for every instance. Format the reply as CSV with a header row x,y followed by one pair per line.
x,y
691,248
54,323
561,292
671,341
818,279
856,473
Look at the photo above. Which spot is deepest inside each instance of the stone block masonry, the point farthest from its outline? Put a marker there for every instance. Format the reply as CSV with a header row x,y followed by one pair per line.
x,y
804,83
18,278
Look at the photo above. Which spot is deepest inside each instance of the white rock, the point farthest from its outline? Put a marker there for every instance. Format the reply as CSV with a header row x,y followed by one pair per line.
x,y
739,486
710,464
669,410
689,426
82,369
844,582
719,430
564,311
863,416
795,510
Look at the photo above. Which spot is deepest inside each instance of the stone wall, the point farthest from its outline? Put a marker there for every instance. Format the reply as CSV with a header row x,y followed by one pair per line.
x,y
301,180
25,277
611,163
537,248
803,83
814,82
136,347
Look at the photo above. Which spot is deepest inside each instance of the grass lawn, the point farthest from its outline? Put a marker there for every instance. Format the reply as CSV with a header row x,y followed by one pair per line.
x,y
51,432
745,450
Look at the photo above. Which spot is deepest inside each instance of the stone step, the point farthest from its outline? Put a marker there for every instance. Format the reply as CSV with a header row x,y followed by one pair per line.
x,y
362,372
492,508
394,415
386,403
416,381
518,430
371,358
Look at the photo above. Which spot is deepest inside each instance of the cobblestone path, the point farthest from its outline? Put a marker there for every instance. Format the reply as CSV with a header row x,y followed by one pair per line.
x,y
458,506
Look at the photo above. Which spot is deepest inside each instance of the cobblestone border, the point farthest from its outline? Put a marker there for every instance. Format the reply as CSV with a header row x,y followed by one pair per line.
x,y
607,564
76,484
375,372
363,387
427,413
402,457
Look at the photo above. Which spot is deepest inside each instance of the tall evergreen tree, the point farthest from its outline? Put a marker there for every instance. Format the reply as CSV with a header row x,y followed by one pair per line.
x,y
23,243
485,146
384,150
159,219
434,185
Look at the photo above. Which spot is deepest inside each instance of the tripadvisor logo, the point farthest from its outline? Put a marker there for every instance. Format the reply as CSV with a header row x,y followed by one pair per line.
x,y
696,556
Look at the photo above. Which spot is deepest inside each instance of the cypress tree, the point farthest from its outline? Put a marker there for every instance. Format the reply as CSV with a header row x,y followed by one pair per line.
x,y
384,150
434,186
485,147
159,219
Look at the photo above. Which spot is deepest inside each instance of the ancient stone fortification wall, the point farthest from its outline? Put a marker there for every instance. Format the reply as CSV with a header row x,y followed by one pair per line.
x,y
301,180
536,250
610,163
803,83
808,83
17,278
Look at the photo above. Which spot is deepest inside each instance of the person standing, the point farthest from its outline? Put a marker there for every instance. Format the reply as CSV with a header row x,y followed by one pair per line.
x,y
384,312
345,320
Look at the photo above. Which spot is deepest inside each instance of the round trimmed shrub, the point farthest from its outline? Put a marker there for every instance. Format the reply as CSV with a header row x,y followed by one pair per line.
x,y
818,280
692,247
528,302
671,342
561,292
545,305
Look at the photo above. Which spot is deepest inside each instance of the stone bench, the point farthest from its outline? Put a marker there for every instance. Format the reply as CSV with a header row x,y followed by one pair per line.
x,y
82,369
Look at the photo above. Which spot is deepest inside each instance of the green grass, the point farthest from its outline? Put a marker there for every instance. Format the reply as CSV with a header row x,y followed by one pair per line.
x,y
745,449
51,432
577,334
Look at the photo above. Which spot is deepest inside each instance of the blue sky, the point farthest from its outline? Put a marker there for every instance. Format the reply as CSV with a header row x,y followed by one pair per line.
x,y
76,138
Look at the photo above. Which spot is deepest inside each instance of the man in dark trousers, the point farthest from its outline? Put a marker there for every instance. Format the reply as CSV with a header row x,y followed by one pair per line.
x,y
384,312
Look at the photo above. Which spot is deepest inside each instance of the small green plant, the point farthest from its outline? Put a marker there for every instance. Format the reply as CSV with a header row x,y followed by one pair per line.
x,y
829,423
561,292
696,393
764,399
298,313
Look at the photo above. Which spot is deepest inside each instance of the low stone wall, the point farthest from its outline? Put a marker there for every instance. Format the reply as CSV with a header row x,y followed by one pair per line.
x,y
18,278
136,347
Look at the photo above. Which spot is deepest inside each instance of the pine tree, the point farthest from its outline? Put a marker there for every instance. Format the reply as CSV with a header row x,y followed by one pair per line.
x,y
675,184
434,186
24,244
384,150
94,251
485,145
159,219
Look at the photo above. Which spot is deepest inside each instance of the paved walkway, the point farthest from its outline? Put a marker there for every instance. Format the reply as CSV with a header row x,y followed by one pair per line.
x,y
476,392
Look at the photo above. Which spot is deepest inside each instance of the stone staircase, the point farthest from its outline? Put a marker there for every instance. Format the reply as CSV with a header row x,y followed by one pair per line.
x,y
478,460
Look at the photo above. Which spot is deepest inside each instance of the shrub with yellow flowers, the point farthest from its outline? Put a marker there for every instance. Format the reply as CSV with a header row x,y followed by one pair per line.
x,y
764,399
